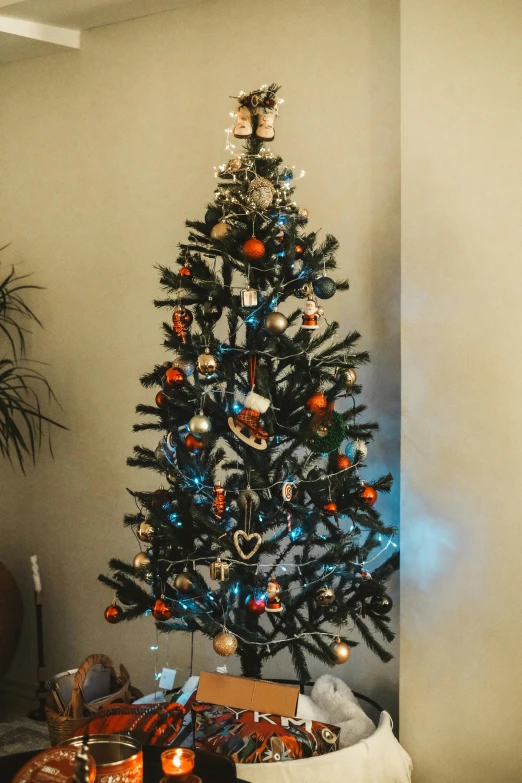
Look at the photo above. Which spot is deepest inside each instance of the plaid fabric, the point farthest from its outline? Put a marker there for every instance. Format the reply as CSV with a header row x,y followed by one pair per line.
x,y
250,737
250,420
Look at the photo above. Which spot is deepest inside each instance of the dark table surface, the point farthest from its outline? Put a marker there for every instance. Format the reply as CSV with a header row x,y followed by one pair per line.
x,y
210,768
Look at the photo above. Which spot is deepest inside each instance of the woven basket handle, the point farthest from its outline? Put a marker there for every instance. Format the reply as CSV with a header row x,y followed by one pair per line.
x,y
76,705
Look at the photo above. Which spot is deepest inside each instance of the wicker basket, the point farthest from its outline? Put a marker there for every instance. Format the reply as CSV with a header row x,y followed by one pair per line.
x,y
63,725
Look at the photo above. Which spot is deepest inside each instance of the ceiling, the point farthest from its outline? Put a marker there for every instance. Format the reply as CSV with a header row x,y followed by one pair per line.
x,y
33,28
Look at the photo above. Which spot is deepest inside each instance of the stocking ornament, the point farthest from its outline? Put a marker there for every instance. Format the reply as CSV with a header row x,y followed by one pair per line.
x,y
246,423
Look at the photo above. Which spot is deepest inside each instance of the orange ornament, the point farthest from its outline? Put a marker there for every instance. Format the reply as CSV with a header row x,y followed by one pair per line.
x,y
330,507
174,376
299,249
343,462
161,399
219,503
369,495
113,613
192,443
181,320
254,248
185,271
317,403
160,610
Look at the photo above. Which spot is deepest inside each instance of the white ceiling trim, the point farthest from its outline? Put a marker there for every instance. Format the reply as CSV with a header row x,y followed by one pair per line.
x,y
61,36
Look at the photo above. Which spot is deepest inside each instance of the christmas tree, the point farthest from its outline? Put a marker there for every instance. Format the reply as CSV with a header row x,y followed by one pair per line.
x,y
262,530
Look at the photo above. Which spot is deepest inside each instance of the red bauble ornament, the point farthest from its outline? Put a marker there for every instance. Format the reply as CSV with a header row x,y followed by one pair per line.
x,y
160,610
256,605
192,443
330,507
174,376
317,403
161,399
253,248
369,495
343,462
185,271
159,498
113,613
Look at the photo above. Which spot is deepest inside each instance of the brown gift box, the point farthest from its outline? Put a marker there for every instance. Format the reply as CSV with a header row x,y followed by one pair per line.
x,y
245,694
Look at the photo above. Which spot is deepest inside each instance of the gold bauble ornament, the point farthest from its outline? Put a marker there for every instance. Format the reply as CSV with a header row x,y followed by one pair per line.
x,y
220,230
225,643
302,213
141,560
206,363
183,582
325,596
348,376
235,164
145,532
261,192
276,323
341,651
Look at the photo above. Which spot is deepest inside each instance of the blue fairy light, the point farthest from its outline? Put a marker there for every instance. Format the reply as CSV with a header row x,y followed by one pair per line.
x,y
235,589
236,407
295,533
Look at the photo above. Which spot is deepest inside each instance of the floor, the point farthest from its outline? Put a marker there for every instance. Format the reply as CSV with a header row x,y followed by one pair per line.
x,y
17,732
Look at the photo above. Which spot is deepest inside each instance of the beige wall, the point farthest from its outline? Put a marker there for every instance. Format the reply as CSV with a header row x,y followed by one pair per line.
x,y
461,664
104,153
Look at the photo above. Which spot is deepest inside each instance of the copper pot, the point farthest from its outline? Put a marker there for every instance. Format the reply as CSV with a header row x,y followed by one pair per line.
x,y
117,757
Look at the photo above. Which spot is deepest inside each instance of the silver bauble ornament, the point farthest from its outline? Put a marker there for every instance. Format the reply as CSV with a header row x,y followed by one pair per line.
x,y
183,364
341,650
220,230
325,596
261,192
276,322
248,498
225,643
302,214
362,448
206,363
235,164
200,424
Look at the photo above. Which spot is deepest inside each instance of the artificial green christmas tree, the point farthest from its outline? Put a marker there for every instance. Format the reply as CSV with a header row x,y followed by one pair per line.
x,y
262,530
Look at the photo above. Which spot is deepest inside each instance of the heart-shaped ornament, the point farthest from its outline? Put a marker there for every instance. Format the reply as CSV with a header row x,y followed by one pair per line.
x,y
251,537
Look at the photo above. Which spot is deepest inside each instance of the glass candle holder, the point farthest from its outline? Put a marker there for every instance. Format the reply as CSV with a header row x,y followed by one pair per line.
x,y
178,765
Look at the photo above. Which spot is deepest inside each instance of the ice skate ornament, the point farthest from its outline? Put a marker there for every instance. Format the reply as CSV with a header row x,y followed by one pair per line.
x,y
260,105
246,423
311,314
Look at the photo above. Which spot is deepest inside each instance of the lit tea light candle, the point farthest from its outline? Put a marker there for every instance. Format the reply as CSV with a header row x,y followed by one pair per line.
x,y
178,765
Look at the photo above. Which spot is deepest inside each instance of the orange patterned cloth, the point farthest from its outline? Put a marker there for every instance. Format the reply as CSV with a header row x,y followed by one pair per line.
x,y
249,737
150,724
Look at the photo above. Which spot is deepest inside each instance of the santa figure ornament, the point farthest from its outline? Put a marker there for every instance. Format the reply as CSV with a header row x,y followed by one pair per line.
x,y
311,314
273,603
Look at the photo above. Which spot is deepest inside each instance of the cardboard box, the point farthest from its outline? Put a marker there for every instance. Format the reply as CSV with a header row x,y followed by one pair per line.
x,y
245,694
